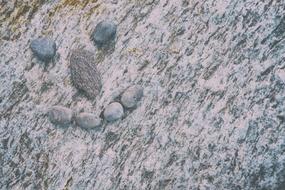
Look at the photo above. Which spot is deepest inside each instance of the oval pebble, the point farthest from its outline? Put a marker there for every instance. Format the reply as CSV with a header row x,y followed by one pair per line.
x,y
104,33
60,115
132,96
88,120
113,112
84,73
43,48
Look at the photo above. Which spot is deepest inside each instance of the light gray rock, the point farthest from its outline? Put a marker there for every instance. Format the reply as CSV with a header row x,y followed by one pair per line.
x,y
104,33
44,48
88,120
113,112
214,113
60,115
132,96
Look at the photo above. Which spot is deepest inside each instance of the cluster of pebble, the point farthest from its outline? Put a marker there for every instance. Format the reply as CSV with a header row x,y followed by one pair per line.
x,y
87,78
104,33
60,115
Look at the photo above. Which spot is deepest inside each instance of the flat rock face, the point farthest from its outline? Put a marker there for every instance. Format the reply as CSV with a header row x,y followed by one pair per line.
x,y
212,115
84,73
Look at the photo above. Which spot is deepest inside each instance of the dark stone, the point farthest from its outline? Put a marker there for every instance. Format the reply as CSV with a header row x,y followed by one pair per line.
x,y
104,33
44,48
84,73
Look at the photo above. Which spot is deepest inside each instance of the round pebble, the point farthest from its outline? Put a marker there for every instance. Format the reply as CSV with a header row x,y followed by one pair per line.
x,y
60,115
132,96
104,33
44,48
113,112
88,120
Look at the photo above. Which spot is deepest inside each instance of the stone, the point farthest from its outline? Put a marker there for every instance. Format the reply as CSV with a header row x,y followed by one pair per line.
x,y
43,48
88,120
84,74
104,33
60,115
132,96
113,112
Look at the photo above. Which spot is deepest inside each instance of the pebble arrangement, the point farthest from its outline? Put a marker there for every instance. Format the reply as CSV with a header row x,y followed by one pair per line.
x,y
60,115
86,78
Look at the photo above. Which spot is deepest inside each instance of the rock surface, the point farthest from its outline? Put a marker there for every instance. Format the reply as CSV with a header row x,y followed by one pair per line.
x,y
212,116
113,112
44,48
60,115
84,73
132,96
104,33
88,120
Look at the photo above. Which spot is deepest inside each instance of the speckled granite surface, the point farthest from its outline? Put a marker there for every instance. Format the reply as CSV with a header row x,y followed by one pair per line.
x,y
213,111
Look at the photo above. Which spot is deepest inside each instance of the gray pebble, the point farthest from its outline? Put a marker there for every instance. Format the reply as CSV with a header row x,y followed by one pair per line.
x,y
132,96
44,48
60,115
113,112
88,120
104,33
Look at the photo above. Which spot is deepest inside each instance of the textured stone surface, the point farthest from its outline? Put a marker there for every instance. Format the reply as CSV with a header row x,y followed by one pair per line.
x,y
104,33
43,48
84,73
212,116
88,120
113,112
60,115
132,96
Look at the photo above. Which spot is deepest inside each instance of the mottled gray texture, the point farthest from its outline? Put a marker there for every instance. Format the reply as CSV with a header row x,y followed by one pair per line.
x,y
104,33
43,48
132,96
88,120
84,74
113,112
60,115
212,115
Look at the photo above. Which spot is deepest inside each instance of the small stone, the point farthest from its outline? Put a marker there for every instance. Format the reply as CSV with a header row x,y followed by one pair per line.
x,y
44,48
84,74
132,96
104,33
113,112
60,115
88,120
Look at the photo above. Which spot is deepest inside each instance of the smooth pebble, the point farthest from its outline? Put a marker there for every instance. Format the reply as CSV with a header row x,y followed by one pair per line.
x,y
60,115
88,120
132,96
104,33
113,112
43,48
